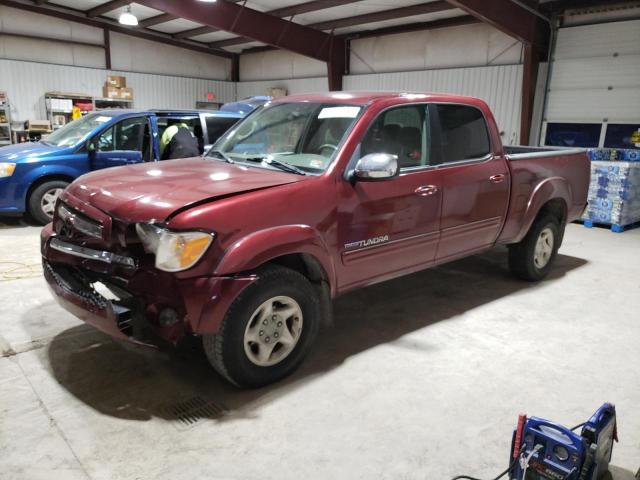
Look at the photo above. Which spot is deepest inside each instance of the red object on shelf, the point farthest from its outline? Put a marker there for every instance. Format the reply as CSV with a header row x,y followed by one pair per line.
x,y
84,106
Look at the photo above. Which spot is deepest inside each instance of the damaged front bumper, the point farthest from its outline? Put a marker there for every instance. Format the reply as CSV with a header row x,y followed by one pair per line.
x,y
142,296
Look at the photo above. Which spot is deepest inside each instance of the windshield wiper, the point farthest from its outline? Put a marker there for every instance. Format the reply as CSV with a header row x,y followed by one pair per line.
x,y
276,163
221,155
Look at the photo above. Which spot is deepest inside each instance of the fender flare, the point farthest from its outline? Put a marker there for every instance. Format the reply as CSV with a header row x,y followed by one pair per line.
x,y
552,188
260,247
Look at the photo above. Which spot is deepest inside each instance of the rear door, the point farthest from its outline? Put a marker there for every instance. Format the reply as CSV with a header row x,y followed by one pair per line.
x,y
475,181
391,227
125,142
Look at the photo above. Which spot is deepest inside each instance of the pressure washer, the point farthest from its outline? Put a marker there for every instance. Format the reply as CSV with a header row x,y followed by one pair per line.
x,y
545,450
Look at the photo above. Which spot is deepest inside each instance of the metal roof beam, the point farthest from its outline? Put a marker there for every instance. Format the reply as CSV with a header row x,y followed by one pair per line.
x,y
508,17
253,24
307,7
107,7
394,13
158,19
72,15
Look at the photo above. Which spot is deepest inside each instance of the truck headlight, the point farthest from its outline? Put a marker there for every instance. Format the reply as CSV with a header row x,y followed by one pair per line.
x,y
174,251
6,169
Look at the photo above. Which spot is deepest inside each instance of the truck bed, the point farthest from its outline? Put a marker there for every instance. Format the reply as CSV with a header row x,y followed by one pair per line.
x,y
559,169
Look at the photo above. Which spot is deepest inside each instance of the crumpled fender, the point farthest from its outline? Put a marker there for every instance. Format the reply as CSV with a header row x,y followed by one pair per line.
x,y
262,246
549,189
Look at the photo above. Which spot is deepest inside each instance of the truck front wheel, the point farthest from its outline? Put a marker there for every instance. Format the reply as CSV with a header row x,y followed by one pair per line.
x,y
532,258
42,200
267,331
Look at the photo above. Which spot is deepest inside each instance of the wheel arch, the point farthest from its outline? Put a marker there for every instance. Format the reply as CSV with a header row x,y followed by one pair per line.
x,y
48,177
552,196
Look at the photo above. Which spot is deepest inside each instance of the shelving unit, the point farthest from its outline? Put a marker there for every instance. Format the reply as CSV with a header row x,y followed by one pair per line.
x,y
5,120
60,106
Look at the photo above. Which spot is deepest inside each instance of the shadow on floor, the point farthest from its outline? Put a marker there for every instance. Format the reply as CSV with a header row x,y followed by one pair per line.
x,y
130,382
18,221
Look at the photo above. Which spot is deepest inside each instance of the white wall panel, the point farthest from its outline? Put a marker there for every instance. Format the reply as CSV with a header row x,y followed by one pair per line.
x,y
463,46
293,86
136,55
500,86
279,64
596,74
26,83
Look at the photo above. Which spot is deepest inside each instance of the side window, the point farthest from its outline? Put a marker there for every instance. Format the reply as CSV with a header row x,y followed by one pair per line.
x,y
216,126
400,131
463,133
129,134
105,141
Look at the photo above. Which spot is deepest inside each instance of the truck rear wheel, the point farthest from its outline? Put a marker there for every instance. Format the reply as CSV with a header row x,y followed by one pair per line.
x,y
267,331
42,200
532,258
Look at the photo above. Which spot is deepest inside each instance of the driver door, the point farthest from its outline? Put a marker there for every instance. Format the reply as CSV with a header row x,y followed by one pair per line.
x,y
389,228
126,142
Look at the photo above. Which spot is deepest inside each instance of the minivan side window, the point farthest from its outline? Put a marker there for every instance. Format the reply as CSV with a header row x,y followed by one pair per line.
x,y
400,131
216,126
463,133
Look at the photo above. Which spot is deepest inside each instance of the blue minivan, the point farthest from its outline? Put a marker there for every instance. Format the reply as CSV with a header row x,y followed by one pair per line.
x,y
33,175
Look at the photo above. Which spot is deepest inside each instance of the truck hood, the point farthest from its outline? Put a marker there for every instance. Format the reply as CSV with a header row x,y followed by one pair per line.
x,y
153,191
28,152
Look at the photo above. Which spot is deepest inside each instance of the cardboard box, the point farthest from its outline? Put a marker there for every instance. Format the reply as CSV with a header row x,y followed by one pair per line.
x,y
126,93
38,125
116,81
110,92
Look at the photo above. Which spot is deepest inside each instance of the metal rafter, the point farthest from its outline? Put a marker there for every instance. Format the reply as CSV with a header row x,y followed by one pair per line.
x,y
509,18
78,16
252,24
307,7
107,7
162,18
394,13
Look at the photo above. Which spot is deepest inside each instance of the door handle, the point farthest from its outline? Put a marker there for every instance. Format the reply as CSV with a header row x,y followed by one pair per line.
x,y
497,178
426,190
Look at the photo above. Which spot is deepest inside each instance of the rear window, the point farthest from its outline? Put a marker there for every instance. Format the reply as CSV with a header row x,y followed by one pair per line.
x,y
464,134
216,126
573,134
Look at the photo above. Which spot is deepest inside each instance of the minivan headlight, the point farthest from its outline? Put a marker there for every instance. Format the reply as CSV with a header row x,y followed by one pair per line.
x,y
6,169
174,251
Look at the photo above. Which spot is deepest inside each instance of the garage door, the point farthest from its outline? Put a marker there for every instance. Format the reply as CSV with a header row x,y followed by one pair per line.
x,y
594,97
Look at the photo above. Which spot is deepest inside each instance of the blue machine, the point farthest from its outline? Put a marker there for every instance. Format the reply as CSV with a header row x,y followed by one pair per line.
x,y
544,450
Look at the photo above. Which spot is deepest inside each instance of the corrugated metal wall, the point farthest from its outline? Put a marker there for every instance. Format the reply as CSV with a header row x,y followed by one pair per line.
x,y
596,74
26,83
292,85
500,86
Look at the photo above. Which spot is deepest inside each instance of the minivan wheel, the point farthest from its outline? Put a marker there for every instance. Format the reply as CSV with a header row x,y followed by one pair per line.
x,y
267,331
532,258
42,201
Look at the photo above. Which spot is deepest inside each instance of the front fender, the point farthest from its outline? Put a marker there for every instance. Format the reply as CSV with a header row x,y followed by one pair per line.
x,y
549,189
260,247
37,173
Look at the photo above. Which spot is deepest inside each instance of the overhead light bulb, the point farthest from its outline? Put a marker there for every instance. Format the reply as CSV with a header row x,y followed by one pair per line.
x,y
128,18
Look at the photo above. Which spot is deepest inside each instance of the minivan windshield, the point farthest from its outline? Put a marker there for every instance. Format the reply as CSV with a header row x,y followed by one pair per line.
x,y
76,131
303,135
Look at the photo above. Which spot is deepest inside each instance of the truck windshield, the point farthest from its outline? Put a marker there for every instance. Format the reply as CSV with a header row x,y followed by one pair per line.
x,y
304,135
76,131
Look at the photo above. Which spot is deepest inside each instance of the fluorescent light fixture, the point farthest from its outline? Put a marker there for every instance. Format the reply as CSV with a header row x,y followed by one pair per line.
x,y
208,1
128,18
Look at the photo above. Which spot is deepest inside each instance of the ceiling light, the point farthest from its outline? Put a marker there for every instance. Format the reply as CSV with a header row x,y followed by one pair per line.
x,y
208,1
128,18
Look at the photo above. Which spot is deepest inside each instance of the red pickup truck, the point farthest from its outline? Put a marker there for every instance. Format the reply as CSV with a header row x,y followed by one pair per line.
x,y
307,198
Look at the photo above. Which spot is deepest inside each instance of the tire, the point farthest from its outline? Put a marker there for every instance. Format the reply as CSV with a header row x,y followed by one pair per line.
x,y
42,200
260,314
531,261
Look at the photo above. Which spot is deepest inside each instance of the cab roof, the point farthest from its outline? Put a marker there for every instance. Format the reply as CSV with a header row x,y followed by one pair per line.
x,y
366,98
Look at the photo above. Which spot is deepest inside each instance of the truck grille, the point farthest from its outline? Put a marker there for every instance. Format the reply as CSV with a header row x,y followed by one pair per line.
x,y
69,223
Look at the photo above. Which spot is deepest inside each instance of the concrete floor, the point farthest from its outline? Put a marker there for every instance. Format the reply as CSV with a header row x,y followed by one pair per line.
x,y
421,377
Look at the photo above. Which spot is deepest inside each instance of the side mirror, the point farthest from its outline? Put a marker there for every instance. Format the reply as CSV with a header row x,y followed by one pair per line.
x,y
376,167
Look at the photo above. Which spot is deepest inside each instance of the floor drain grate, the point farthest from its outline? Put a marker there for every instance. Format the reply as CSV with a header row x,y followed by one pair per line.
x,y
189,412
